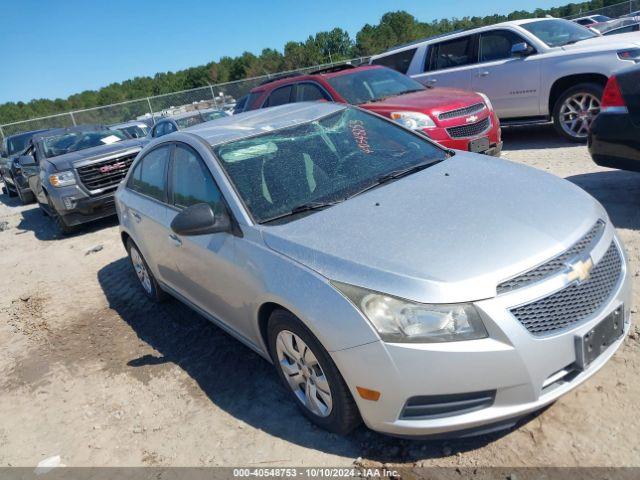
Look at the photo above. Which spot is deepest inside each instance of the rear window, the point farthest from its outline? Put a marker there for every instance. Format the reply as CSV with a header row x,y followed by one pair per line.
x,y
454,53
279,97
398,61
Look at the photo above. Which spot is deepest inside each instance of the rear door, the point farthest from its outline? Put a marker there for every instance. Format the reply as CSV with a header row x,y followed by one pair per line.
x,y
145,211
511,83
450,63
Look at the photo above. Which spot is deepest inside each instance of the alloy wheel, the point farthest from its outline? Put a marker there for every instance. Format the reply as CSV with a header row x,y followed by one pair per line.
x,y
141,270
304,373
578,112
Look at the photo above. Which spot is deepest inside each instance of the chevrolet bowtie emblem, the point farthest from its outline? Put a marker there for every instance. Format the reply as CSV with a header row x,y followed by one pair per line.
x,y
472,119
580,270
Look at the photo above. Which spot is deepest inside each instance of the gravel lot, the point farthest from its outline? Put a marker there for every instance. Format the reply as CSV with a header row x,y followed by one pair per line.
x,y
94,373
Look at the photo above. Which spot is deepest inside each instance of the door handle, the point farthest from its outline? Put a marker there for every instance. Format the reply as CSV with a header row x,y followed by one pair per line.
x,y
432,81
484,73
176,240
136,215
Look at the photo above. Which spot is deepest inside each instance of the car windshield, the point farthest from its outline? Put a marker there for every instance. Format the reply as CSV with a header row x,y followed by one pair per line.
x,y
135,131
75,140
362,86
556,32
322,162
190,121
213,115
17,143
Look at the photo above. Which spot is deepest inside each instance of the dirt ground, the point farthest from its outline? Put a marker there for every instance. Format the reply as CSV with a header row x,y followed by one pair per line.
x,y
91,371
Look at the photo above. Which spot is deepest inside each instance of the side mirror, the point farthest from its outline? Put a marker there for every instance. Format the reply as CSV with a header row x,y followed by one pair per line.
x,y
522,49
200,219
27,161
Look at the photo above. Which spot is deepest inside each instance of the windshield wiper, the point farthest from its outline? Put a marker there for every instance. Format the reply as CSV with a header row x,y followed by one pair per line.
x,y
305,207
379,99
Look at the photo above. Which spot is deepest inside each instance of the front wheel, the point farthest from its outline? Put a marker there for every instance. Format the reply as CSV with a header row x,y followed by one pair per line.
x,y
310,376
575,111
59,221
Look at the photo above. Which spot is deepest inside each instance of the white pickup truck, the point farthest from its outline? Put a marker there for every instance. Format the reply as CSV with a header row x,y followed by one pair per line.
x,y
533,70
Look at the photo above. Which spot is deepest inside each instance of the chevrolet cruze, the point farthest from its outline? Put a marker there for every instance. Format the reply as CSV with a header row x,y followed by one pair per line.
x,y
389,280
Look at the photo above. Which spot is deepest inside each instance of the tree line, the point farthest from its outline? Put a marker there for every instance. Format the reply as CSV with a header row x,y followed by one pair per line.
x,y
394,28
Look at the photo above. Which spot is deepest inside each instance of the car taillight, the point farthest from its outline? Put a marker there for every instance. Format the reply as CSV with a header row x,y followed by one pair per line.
x,y
612,98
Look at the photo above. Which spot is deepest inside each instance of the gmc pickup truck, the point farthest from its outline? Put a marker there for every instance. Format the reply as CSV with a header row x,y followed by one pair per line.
x,y
74,172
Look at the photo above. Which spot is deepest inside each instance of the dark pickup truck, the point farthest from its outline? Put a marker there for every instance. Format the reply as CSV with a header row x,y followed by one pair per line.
x,y
75,171
10,171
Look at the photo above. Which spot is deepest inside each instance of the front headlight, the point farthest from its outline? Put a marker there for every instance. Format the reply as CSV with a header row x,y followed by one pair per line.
x,y
632,54
486,100
398,320
62,179
413,120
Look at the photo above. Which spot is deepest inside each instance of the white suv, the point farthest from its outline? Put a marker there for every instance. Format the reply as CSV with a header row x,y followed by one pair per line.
x,y
533,70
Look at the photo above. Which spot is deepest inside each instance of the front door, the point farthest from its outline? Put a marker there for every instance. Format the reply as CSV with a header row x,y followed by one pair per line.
x,y
511,83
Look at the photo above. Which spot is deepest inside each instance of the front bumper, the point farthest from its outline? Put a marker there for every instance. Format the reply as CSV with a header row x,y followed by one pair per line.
x,y
517,366
76,207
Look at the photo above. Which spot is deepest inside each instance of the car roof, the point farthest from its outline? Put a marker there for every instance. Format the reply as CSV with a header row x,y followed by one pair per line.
x,y
28,132
178,116
59,131
255,122
137,123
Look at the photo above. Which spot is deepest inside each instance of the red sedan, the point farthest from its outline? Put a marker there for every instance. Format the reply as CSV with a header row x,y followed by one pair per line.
x,y
456,119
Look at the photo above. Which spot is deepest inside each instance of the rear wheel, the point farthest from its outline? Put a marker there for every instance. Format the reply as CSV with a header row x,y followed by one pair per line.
x,y
147,281
575,111
310,376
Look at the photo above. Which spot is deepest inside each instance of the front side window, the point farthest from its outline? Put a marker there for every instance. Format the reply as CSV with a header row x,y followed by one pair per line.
x,y
497,45
279,96
148,177
310,92
454,53
191,182
78,139
556,32
370,85
398,61
326,160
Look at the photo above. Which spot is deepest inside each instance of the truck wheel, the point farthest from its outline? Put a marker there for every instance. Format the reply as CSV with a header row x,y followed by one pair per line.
x,y
59,221
576,109
309,375
145,275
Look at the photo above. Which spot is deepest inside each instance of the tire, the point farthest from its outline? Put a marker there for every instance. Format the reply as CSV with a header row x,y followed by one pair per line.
x,y
147,281
584,99
59,221
342,416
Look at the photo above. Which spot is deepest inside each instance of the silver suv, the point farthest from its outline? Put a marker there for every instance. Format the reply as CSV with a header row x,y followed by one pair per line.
x,y
388,279
532,70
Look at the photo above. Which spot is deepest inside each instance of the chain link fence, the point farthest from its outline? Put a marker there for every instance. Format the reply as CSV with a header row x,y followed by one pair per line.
x,y
612,11
219,96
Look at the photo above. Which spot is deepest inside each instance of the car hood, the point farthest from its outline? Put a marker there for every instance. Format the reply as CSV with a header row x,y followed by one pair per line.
x,y
449,233
607,42
67,161
432,100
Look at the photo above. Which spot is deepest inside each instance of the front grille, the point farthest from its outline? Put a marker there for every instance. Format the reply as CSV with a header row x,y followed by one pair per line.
x,y
436,406
462,112
106,173
574,303
469,130
555,265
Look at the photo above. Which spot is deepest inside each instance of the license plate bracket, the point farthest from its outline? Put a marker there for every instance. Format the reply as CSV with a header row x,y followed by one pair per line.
x,y
590,345
479,145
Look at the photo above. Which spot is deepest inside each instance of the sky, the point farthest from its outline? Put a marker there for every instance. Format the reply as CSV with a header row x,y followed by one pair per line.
x,y
54,48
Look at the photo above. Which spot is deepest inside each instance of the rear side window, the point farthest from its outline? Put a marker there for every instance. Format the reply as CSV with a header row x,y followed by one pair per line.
x,y
279,97
149,175
398,61
191,182
309,92
158,130
454,53
497,45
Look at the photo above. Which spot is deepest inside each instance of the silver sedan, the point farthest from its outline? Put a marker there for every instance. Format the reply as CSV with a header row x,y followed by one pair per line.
x,y
389,280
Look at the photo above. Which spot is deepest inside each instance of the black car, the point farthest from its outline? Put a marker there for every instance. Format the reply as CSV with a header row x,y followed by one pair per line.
x,y
15,183
614,140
